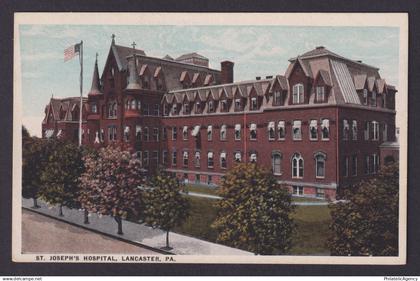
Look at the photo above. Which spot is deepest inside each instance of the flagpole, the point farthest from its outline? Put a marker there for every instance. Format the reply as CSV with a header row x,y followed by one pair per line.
x,y
81,92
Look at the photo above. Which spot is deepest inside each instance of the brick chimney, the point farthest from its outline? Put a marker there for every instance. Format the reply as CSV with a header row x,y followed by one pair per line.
x,y
227,72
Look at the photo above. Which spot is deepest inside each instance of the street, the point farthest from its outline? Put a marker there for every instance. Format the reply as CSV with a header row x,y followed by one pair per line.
x,y
41,234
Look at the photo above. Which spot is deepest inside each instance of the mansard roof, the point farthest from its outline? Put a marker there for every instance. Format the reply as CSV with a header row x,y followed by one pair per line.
x,y
66,104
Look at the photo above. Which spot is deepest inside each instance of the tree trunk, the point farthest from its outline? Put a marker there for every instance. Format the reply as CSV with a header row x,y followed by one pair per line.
x,y
86,215
119,222
60,213
35,206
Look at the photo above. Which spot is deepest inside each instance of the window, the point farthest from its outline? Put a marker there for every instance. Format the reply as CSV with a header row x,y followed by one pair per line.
x,y
127,133
253,131
354,129
223,161
297,166
375,130
174,158
155,157
146,111
185,178
145,158
112,133
164,133
224,105
271,131
385,132
209,132
223,132
139,156
185,133
375,160
156,134
209,179
174,109
320,94
281,130
165,110
156,110
112,109
254,104
253,157
365,96
146,134
354,165
164,157
320,193
313,130
102,135
277,98
138,105
346,166
210,160
367,164
174,133
320,164
238,132
93,108
325,127
133,104
346,129
237,157
367,127
210,106
198,107
298,93
297,130
373,100
298,190
197,159
186,108
276,163
185,158
238,105
197,178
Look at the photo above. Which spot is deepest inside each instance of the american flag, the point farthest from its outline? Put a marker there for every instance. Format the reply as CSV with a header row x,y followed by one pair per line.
x,y
71,51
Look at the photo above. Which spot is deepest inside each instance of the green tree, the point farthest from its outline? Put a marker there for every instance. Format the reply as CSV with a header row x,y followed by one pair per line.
x,y
60,177
254,213
35,154
165,206
111,183
366,222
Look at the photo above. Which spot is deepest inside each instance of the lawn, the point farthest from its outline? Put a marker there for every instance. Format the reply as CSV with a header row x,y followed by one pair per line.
x,y
309,239
202,189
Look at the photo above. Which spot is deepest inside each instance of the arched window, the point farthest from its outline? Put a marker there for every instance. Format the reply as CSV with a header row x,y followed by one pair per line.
x,y
223,160
185,158
297,166
325,127
320,158
223,132
276,162
133,104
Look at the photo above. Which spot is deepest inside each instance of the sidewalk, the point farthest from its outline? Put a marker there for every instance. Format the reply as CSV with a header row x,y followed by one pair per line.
x,y
137,233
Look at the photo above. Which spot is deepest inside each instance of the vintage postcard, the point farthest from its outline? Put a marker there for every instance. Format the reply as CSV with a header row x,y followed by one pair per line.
x,y
210,138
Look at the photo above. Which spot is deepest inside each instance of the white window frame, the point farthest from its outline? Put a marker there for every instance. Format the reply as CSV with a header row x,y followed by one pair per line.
x,y
185,133
298,164
367,131
197,159
237,156
223,156
156,134
274,164
313,124
297,124
174,158
281,127
271,130
253,128
320,93
346,129
209,132
164,157
320,157
210,155
146,158
185,158
297,190
174,133
277,97
238,132
375,128
354,132
210,105
223,132
298,93
365,97
254,103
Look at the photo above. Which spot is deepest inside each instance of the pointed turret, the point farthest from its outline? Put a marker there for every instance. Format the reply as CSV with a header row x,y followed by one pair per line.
x,y
95,89
133,78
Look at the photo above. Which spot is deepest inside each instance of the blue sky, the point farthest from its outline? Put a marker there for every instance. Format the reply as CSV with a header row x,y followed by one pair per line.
x,y
256,51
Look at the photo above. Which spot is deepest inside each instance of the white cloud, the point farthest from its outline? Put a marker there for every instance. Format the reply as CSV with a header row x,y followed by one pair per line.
x,y
33,124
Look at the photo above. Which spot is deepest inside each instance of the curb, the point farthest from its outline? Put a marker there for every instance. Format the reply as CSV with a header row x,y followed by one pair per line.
x,y
99,232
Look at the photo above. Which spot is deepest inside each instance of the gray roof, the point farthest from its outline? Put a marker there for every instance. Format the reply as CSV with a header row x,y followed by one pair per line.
x,y
190,55
345,82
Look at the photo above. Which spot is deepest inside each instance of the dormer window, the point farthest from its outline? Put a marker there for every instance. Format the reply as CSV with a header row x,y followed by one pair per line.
x,y
365,96
298,94
254,103
93,109
238,105
198,107
373,100
165,109
224,105
277,98
320,94
174,109
211,106
186,108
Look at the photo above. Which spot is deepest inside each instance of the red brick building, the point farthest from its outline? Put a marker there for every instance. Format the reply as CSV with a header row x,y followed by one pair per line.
x,y
326,123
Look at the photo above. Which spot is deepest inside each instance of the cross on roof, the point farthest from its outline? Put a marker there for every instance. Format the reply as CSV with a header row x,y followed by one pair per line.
x,y
113,38
134,45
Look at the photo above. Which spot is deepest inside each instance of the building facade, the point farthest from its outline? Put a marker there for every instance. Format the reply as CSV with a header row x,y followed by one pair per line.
x,y
327,123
